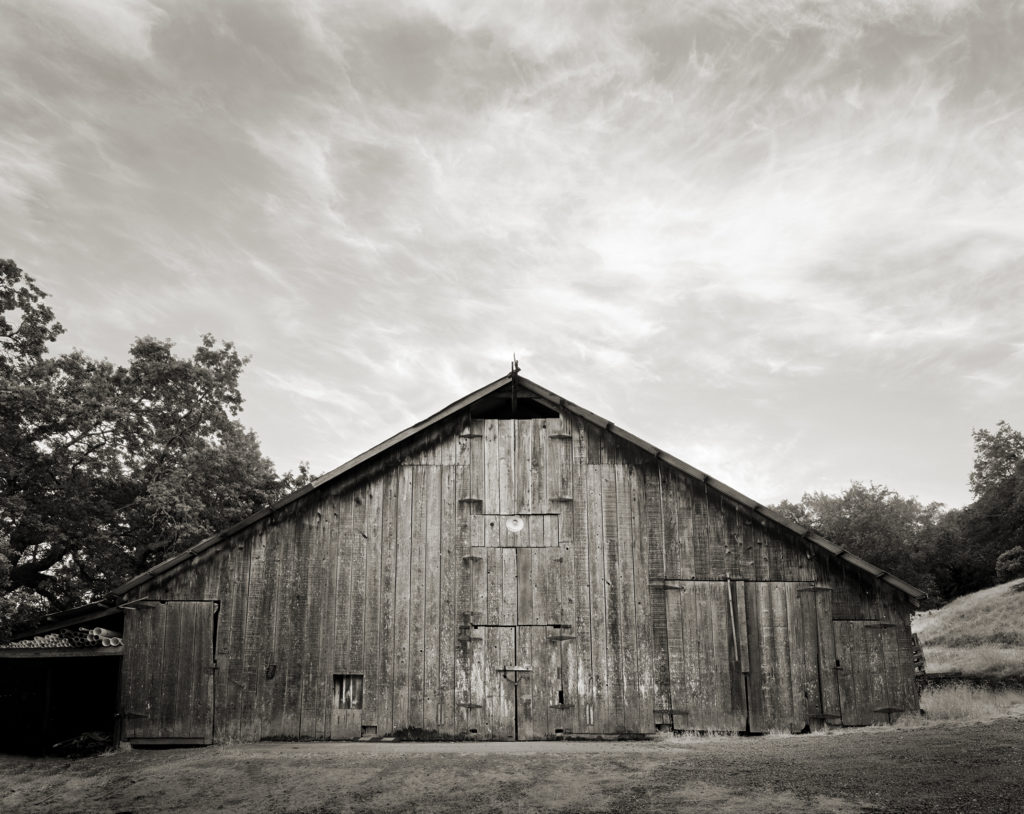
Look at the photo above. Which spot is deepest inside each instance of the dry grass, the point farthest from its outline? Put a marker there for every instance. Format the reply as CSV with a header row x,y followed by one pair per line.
x,y
985,661
964,703
981,634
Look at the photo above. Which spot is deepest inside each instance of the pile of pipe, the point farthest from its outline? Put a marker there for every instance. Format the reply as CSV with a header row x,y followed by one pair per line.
x,y
83,637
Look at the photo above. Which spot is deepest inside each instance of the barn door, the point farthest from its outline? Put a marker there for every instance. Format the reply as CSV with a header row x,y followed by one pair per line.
x,y
792,682
488,703
704,656
545,707
167,672
875,671
517,686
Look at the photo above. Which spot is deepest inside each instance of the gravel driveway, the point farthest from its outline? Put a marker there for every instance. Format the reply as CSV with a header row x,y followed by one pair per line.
x,y
949,768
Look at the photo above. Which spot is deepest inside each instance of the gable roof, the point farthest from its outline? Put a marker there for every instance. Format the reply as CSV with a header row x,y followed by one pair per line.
x,y
525,386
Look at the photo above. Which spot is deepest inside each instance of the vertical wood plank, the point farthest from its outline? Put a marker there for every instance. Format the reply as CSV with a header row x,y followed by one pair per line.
x,y
266,723
498,692
755,686
524,585
632,705
506,466
255,623
448,617
599,609
675,518
807,656
432,603
827,655
238,590
581,558
540,466
274,688
654,529
508,613
739,603
876,670
641,582
523,481
701,533
770,681
372,615
403,599
389,576
717,540
357,566
343,530
476,708
528,700
492,468
494,585
417,595
603,611
314,669
295,642
166,679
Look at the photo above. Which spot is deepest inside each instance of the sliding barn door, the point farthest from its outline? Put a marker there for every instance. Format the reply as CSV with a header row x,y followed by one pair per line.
x,y
792,684
875,670
167,672
704,656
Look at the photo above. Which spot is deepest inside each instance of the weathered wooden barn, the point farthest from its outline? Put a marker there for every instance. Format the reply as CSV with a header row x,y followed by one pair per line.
x,y
514,567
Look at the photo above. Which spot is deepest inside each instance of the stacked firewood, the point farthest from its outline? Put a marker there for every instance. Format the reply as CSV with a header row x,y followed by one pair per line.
x,y
83,637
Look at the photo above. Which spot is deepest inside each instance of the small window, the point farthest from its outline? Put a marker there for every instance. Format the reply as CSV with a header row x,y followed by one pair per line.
x,y
348,692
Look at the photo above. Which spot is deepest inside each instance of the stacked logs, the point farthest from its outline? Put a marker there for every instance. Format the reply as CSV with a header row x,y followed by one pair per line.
x,y
83,637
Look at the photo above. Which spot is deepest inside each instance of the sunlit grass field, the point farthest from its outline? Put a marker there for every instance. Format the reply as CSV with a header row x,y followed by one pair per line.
x,y
979,635
965,702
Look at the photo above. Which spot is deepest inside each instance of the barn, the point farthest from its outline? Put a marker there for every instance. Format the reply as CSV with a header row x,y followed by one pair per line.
x,y
513,567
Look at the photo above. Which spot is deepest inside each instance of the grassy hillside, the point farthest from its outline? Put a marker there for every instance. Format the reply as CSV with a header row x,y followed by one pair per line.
x,y
981,634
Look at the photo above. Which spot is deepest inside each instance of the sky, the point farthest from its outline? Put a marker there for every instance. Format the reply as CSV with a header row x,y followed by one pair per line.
x,y
783,240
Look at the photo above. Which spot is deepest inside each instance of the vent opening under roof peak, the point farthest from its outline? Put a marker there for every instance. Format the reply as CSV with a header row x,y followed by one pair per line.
x,y
500,406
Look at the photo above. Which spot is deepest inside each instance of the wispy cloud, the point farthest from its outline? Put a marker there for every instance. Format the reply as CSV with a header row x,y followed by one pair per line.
x,y
754,214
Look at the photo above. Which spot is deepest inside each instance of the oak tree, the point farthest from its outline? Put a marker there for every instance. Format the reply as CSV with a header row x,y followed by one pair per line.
x,y
107,468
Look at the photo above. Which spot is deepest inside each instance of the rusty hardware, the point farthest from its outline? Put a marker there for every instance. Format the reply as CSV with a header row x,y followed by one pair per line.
x,y
518,672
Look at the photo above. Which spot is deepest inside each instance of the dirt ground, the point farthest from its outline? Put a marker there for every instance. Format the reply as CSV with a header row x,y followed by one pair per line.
x,y
975,767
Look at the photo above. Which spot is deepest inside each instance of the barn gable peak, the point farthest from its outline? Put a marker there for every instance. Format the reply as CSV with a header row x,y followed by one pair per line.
x,y
515,397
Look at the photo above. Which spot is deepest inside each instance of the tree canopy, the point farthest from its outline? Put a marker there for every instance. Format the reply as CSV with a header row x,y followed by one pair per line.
x,y
944,552
105,468
876,523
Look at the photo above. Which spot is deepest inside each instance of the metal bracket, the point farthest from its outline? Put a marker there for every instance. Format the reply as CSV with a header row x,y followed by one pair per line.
x,y
516,670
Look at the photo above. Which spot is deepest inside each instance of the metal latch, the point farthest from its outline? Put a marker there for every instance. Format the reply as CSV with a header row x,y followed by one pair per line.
x,y
516,670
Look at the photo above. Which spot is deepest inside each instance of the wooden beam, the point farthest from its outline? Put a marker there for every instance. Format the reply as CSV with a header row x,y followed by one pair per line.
x,y
58,652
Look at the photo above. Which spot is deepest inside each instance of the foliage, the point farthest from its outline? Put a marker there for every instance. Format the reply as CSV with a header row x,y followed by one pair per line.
x,y
997,458
1010,564
994,522
945,553
106,469
893,532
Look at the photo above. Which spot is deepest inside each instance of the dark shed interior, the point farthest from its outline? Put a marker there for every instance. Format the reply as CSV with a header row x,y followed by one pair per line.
x,y
48,699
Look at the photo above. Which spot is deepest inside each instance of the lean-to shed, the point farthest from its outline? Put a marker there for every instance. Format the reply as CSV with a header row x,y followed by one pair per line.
x,y
512,567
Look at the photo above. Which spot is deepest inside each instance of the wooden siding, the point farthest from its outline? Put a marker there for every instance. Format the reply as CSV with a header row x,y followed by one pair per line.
x,y
638,593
